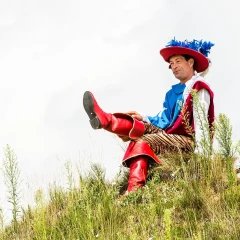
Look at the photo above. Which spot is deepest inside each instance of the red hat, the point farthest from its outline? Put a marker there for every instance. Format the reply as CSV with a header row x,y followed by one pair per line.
x,y
198,50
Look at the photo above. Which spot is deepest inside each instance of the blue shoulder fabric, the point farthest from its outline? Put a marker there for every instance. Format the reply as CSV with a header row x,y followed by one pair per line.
x,y
171,107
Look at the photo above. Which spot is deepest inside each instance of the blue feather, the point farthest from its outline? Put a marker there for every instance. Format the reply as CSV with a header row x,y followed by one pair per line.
x,y
197,45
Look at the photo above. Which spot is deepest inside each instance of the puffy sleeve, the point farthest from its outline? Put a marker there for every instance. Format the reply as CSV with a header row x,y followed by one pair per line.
x,y
161,120
200,117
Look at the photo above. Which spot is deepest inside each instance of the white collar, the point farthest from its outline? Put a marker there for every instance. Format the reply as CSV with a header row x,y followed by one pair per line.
x,y
189,84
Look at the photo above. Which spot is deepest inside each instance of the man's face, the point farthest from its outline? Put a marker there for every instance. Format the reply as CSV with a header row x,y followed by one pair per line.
x,y
181,68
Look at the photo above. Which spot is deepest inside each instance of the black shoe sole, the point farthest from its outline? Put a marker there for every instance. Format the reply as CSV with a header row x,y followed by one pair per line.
x,y
88,104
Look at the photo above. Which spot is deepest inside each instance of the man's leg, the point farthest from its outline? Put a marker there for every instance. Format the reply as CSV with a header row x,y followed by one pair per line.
x,y
118,123
137,172
137,158
154,142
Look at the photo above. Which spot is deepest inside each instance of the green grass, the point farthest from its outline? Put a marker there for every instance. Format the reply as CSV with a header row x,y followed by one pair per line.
x,y
194,198
189,205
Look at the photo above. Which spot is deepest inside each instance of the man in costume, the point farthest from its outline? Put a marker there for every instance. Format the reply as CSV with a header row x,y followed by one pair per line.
x,y
176,127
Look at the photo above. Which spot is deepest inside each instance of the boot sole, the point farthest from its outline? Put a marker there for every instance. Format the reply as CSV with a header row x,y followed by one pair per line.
x,y
88,104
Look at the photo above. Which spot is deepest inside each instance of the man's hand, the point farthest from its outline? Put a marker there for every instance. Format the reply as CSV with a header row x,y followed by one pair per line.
x,y
134,114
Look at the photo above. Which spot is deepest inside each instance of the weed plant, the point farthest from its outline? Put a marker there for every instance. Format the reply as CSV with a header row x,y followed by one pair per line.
x,y
197,197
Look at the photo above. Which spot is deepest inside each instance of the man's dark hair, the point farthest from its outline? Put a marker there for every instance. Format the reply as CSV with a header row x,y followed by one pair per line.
x,y
187,57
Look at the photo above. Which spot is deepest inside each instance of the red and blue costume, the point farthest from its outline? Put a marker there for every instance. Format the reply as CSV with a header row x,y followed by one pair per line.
x,y
178,101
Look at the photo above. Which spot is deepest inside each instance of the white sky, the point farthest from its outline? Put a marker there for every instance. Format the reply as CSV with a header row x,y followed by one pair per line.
x,y
51,52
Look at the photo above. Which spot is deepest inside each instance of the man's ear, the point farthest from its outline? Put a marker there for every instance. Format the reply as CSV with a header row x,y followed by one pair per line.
x,y
191,62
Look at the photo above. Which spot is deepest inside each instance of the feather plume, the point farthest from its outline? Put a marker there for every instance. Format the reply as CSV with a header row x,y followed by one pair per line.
x,y
197,45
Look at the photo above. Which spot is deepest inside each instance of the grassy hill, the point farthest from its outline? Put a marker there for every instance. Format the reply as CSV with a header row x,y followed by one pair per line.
x,y
187,198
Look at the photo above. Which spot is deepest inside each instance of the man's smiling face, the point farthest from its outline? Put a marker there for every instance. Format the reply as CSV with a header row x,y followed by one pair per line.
x,y
181,68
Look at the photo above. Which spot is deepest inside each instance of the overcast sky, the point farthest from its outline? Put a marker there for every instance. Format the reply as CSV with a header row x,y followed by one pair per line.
x,y
51,52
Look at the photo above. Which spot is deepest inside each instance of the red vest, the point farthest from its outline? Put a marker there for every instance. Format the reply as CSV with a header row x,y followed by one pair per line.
x,y
186,116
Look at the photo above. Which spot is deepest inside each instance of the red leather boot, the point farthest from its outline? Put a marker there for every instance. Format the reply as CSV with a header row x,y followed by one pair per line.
x,y
137,157
138,172
118,123
138,148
